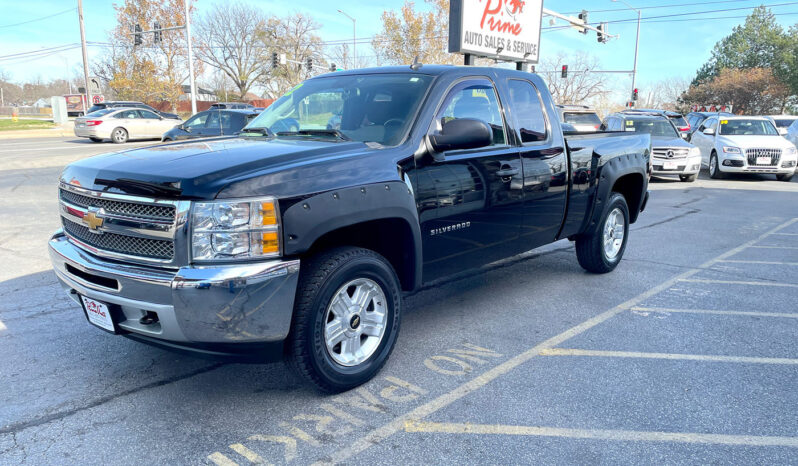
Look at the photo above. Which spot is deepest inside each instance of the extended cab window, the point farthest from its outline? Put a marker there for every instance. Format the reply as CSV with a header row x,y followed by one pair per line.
x,y
525,104
368,108
473,99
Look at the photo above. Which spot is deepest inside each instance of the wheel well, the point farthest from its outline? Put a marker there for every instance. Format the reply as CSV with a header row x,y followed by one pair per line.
x,y
631,187
392,238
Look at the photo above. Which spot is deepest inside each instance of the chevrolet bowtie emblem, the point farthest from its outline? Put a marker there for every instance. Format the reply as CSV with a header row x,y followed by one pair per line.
x,y
92,220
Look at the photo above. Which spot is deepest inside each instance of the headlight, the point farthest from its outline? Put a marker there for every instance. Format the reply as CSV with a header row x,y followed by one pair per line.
x,y
694,152
732,150
791,151
235,230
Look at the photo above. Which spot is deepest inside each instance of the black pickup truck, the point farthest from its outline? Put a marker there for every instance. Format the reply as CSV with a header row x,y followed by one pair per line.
x,y
300,235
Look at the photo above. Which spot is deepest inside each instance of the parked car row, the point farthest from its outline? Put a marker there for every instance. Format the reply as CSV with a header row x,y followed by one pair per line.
x,y
122,124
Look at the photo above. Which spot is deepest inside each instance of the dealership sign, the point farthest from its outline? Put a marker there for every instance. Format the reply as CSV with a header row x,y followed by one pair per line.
x,y
502,29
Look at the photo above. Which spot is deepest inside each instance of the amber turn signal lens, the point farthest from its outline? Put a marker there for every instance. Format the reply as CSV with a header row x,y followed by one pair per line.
x,y
270,243
268,214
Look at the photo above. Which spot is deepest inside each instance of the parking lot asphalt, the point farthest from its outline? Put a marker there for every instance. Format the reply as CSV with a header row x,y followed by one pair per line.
x,y
686,353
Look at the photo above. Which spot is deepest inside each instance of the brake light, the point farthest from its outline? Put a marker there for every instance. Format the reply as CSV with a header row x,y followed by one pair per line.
x,y
93,122
595,126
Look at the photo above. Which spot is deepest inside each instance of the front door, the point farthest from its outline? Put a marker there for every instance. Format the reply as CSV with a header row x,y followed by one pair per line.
x,y
152,124
705,142
545,166
469,201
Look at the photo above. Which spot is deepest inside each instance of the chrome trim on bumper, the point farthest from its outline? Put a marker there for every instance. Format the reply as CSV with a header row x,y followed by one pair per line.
x,y
222,304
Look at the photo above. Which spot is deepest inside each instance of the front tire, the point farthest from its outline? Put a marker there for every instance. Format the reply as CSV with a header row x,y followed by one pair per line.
x,y
119,135
346,318
784,177
714,168
601,250
688,178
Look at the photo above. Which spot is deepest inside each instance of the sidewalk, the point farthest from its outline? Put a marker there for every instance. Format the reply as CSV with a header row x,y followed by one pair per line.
x,y
65,130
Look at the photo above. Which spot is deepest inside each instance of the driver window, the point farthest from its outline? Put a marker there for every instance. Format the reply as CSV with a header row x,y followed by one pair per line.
x,y
197,122
474,99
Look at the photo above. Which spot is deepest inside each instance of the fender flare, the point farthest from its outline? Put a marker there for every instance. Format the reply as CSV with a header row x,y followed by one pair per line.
x,y
611,171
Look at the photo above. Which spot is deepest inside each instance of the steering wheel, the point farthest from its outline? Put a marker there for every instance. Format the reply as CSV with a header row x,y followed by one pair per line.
x,y
286,124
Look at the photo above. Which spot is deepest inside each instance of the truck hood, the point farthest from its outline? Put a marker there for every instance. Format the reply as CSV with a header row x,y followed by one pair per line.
x,y
750,142
200,169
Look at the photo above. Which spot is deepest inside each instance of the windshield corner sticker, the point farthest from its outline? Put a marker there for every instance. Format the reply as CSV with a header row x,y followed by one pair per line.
x,y
724,122
630,123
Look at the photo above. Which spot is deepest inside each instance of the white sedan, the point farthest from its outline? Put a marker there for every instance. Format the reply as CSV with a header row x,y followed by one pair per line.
x,y
744,145
123,124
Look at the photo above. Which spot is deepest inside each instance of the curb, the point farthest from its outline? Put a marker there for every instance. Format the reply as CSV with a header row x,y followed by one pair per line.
x,y
37,133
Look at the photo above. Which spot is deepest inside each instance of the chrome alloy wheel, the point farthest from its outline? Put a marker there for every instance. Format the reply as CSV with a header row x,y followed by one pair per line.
x,y
713,165
613,233
355,321
119,135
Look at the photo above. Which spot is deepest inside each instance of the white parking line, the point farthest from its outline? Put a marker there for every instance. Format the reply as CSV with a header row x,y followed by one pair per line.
x,y
602,434
672,356
786,234
377,435
759,262
723,313
737,282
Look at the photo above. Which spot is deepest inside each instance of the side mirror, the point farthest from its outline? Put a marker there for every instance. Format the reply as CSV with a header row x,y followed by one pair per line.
x,y
462,133
709,131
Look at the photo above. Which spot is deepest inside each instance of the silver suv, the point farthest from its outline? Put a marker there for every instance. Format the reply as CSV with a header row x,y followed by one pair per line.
x,y
583,118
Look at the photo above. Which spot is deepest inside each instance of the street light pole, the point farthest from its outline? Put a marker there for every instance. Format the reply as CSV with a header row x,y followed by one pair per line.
x,y
637,42
190,61
354,36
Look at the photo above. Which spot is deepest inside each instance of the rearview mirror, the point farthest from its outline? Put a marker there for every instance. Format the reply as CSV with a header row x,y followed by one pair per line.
x,y
709,131
462,133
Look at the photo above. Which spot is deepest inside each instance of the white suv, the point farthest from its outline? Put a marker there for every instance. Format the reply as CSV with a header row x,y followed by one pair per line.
x,y
744,145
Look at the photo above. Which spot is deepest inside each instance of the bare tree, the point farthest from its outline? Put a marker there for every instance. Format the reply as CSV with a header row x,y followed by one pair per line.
x,y
581,84
664,94
296,37
227,39
408,33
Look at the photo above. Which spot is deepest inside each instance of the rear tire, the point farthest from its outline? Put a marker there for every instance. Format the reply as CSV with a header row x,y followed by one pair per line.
x,y
784,177
688,178
119,135
601,250
338,341
714,167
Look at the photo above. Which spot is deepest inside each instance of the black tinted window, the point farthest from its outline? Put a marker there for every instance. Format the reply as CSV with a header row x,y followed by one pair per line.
x,y
528,110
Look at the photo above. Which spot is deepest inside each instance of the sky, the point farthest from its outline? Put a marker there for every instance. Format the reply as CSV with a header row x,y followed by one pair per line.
x,y
671,47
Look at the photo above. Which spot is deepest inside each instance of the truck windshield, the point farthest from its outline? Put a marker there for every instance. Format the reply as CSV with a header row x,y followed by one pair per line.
x,y
657,127
368,108
747,128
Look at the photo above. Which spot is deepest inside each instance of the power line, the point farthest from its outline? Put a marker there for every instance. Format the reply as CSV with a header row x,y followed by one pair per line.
x,y
37,19
672,5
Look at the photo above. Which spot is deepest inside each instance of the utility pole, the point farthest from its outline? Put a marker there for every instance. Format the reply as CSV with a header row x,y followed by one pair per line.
x,y
190,62
637,43
85,57
354,40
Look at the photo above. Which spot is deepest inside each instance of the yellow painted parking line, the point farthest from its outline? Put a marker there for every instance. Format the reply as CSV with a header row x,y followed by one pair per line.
x,y
738,282
775,247
672,356
221,460
759,262
247,453
723,313
377,435
602,434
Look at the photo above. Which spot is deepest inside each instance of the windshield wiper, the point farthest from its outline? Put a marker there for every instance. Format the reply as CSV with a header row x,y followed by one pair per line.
x,y
316,132
259,130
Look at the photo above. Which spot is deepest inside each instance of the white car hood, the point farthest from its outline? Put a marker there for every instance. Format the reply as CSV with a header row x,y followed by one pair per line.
x,y
751,142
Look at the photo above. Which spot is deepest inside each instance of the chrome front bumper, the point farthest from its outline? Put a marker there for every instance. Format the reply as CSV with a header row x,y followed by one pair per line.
x,y
244,303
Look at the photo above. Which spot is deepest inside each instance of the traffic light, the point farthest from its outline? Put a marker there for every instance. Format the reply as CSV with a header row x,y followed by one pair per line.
x,y
309,63
565,71
583,17
602,33
333,67
157,34
275,60
634,94
137,35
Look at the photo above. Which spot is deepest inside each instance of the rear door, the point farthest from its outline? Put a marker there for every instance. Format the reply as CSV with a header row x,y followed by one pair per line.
x,y
544,162
470,201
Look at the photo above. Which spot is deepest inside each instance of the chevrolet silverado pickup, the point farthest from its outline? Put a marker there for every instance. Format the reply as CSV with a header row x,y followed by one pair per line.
x,y
298,237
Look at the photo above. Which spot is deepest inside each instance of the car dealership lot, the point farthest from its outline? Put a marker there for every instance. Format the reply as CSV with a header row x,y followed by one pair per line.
x,y
686,353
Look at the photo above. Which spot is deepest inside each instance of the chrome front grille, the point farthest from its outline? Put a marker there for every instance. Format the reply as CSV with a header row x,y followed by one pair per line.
x,y
774,155
127,209
124,227
121,244
675,153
